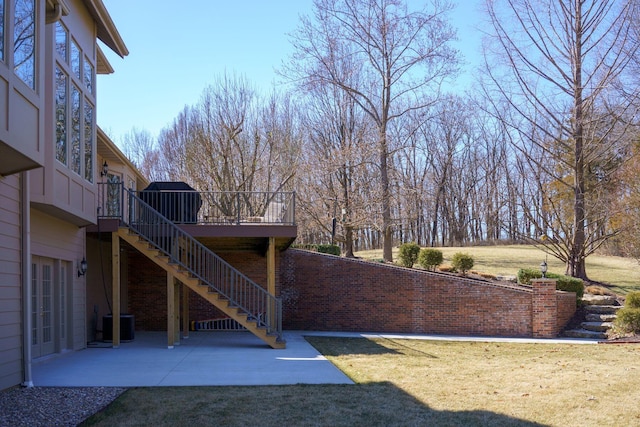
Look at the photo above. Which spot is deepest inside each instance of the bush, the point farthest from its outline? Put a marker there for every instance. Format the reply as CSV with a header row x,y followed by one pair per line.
x,y
462,262
409,254
632,300
430,258
563,283
627,320
324,249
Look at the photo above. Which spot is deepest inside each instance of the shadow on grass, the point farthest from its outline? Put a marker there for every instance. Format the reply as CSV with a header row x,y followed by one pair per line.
x,y
362,346
331,346
372,404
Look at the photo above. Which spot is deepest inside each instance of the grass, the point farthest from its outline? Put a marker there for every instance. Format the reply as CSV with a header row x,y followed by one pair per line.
x,y
622,274
414,382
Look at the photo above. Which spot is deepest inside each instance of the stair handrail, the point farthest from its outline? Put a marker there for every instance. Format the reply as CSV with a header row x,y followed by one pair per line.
x,y
189,254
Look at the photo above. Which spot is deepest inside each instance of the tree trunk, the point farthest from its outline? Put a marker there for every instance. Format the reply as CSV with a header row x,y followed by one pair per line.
x,y
387,235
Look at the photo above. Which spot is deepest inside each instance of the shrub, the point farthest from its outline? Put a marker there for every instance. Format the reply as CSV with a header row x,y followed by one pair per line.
x,y
632,300
409,254
462,262
627,320
329,249
430,258
324,249
563,283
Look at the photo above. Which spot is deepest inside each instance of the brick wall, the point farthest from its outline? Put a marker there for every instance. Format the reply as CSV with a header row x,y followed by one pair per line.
x,y
147,289
327,293
322,292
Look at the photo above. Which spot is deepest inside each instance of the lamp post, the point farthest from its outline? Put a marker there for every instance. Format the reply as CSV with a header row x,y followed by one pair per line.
x,y
543,268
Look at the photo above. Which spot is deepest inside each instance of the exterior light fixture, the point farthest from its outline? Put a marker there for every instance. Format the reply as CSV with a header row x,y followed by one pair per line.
x,y
105,169
82,267
543,268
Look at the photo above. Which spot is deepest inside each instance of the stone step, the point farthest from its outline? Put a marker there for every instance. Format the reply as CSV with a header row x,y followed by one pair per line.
x,y
583,333
600,317
589,299
602,309
596,326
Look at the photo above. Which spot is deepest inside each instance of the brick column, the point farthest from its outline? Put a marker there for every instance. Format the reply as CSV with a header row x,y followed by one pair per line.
x,y
544,309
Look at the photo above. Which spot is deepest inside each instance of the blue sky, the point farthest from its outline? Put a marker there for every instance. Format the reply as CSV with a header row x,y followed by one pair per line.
x,y
176,49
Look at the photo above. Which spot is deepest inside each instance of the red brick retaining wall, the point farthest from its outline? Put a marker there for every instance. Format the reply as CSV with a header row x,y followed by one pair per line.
x,y
323,292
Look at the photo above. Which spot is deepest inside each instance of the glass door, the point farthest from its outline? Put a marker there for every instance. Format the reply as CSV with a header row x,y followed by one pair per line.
x,y
42,307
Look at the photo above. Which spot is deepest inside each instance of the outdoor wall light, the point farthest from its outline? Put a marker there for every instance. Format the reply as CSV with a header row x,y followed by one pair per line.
x,y
82,267
543,268
105,169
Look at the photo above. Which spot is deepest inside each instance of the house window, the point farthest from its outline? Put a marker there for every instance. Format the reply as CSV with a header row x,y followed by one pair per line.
x,y
75,105
88,75
1,30
61,115
88,141
61,41
76,117
75,59
24,41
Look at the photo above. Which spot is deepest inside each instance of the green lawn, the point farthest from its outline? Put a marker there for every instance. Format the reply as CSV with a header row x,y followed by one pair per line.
x,y
416,383
623,274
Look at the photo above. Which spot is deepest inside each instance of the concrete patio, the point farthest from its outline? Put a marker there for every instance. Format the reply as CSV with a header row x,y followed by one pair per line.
x,y
204,359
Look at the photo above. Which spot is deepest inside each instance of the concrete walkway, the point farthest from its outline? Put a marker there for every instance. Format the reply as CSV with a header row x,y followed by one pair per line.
x,y
213,359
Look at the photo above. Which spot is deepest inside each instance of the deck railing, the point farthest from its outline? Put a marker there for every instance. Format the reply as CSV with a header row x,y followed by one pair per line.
x,y
210,207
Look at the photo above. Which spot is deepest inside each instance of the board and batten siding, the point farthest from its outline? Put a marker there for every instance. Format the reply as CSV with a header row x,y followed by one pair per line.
x,y
54,238
10,283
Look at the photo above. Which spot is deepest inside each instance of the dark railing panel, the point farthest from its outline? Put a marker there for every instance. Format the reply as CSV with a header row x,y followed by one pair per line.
x,y
191,255
210,207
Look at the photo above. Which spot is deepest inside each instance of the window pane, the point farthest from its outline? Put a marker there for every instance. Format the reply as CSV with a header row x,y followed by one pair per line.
x,y
75,59
88,75
63,300
1,30
24,62
34,304
61,116
61,41
75,129
88,141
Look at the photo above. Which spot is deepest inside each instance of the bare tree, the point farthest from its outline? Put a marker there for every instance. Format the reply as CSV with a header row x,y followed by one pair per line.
x,y
336,159
562,62
402,58
140,148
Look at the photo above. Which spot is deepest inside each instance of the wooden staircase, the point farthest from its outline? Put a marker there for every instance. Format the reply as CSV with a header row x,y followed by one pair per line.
x,y
205,290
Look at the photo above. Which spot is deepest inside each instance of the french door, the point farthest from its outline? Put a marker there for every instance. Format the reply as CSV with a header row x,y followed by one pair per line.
x,y
49,312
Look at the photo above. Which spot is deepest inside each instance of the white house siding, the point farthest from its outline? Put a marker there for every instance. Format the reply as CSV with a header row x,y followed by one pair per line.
x,y
59,240
10,288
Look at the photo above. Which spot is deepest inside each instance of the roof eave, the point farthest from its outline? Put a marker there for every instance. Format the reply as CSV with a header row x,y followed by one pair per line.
x,y
107,31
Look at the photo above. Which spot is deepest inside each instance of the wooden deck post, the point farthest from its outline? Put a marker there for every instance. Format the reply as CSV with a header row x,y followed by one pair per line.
x,y
185,311
115,283
176,312
271,278
171,303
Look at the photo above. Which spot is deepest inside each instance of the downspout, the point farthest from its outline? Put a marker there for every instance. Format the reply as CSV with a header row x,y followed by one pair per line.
x,y
25,229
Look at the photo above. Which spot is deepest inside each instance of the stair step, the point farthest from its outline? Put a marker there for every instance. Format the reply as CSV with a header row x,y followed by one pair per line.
x,y
583,333
597,326
589,299
600,317
602,309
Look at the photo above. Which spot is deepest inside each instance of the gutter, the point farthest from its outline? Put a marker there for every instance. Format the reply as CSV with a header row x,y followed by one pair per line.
x,y
25,230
